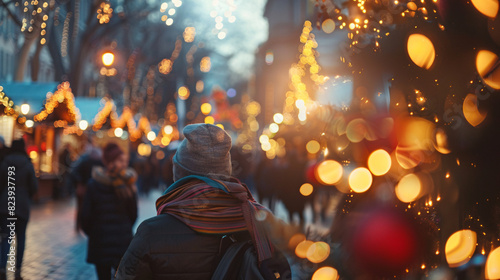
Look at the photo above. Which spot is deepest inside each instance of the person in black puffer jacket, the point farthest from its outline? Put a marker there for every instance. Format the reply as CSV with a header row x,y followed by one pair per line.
x,y
17,169
184,241
109,211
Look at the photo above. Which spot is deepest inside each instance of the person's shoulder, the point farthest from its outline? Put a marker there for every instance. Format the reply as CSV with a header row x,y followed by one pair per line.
x,y
165,223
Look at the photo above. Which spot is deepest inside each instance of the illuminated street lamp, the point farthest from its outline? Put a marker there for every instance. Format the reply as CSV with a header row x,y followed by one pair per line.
x,y
25,108
108,58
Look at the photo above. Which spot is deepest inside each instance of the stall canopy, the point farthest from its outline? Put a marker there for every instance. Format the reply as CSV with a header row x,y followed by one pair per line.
x,y
31,93
89,107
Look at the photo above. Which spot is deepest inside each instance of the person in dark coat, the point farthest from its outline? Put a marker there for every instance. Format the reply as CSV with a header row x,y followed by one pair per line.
x,y
109,211
203,204
81,174
18,184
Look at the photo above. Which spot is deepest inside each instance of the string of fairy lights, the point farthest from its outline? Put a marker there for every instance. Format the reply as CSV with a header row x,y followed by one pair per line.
x,y
35,16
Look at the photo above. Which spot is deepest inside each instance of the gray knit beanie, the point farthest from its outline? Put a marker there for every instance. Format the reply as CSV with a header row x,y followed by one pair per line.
x,y
204,151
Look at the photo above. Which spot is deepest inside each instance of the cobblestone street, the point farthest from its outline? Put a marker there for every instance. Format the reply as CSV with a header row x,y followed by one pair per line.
x,y
53,248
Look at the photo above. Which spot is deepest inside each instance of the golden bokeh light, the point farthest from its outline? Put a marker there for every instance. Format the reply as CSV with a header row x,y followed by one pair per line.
x,y
108,58
408,188
168,129
295,240
144,150
486,62
325,273
379,162
151,136
356,130
183,93
200,86
206,108
253,108
329,172
460,247
278,118
165,141
205,64
421,50
306,189
209,120
471,112
118,132
313,146
488,8
328,26
318,252
360,180
33,155
492,268
441,142
302,248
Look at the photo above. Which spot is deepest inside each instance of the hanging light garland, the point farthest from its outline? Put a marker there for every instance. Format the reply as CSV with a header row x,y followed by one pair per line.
x,y
104,12
8,104
62,95
105,113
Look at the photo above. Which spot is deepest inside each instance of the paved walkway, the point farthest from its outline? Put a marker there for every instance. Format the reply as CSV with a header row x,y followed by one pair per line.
x,y
54,250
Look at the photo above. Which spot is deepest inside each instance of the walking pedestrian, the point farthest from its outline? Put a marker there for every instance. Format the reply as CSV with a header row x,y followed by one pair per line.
x,y
82,173
18,184
203,204
109,211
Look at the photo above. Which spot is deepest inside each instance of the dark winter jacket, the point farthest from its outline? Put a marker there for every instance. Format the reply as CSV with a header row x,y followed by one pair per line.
x,y
165,248
23,179
108,222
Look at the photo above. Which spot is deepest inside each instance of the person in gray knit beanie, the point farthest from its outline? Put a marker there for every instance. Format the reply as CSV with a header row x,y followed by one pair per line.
x,y
204,151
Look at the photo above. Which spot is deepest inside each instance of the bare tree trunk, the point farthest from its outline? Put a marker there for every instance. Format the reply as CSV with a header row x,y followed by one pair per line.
x,y
29,39
35,63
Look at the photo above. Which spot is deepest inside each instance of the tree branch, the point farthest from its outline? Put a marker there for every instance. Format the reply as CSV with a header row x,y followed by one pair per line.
x,y
11,14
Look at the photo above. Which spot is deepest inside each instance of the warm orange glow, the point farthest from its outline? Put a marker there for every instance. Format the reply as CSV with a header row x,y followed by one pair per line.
x,y
209,120
421,50
441,144
325,273
144,149
108,58
318,252
295,240
492,268
408,188
356,130
329,172
306,189
200,86
486,67
360,180
460,247
313,146
471,113
328,26
488,8
206,108
183,93
379,162
302,247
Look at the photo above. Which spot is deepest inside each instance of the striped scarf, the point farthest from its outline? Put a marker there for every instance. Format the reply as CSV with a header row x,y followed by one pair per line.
x,y
216,207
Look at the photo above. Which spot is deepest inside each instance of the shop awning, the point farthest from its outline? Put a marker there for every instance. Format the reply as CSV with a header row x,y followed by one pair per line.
x,y
89,107
32,93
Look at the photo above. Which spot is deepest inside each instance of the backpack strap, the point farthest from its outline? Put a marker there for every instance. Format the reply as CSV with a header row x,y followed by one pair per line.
x,y
229,264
